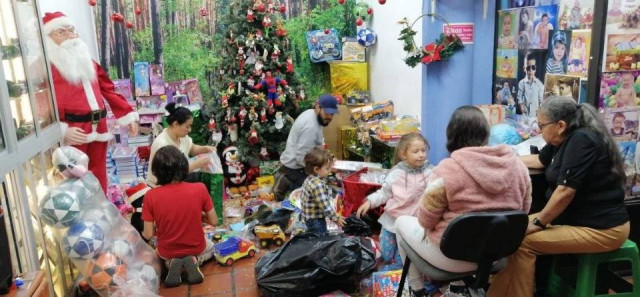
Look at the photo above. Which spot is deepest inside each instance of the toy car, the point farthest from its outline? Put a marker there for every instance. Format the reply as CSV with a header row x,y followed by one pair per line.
x,y
269,234
233,249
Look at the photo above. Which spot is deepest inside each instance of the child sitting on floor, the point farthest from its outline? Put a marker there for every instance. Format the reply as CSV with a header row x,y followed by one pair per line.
x,y
401,192
172,212
316,194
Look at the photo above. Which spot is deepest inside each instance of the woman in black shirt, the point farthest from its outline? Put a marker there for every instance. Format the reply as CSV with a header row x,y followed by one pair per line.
x,y
585,212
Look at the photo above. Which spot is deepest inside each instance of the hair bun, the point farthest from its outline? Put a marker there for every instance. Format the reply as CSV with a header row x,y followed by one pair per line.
x,y
171,107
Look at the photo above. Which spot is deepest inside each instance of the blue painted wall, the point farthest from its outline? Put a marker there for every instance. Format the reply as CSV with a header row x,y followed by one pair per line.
x,y
465,79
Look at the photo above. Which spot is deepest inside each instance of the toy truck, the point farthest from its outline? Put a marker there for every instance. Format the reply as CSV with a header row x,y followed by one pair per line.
x,y
269,234
233,249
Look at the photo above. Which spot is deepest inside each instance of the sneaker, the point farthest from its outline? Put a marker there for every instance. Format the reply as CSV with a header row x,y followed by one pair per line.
x,y
194,275
174,277
457,291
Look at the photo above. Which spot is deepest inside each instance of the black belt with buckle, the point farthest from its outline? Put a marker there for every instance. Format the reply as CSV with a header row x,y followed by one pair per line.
x,y
94,117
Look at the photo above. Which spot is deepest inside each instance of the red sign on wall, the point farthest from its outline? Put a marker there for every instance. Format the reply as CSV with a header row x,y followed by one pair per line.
x,y
464,31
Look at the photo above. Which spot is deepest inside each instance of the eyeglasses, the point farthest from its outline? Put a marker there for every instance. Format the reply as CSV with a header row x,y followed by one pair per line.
x,y
544,124
66,29
531,67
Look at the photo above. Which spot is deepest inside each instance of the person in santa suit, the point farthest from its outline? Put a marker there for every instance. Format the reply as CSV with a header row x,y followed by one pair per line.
x,y
81,87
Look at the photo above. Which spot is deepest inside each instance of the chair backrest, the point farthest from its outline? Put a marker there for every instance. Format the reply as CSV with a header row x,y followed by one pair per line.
x,y
484,236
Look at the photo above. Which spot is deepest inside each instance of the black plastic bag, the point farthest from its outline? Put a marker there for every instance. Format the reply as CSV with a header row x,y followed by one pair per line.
x,y
356,226
280,217
311,265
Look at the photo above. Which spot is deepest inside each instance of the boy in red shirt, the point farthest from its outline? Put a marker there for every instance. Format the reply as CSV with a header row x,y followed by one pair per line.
x,y
172,212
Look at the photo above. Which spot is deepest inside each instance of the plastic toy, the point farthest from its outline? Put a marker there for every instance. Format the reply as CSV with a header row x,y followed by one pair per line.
x,y
233,249
269,234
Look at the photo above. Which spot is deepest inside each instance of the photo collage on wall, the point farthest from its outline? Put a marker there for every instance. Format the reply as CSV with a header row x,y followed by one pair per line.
x,y
619,97
547,43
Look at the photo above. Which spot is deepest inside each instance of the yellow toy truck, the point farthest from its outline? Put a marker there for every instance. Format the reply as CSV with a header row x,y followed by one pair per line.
x,y
269,234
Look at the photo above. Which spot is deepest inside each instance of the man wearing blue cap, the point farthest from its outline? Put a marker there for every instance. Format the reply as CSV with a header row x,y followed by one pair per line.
x,y
305,134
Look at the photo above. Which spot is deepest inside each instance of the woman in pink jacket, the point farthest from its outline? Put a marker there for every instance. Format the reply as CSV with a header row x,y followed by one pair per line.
x,y
475,178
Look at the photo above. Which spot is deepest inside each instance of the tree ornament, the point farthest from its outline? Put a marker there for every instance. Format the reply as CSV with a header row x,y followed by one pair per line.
x,y
225,100
250,17
263,115
443,48
93,2
289,65
228,115
253,137
242,115
258,68
283,8
327,31
233,119
231,89
251,59
212,124
129,25
369,11
341,1
359,22
116,17
259,35
280,30
253,115
271,83
264,154
270,7
138,11
250,82
231,40
216,137
259,6
279,120
204,12
233,132
382,2
281,95
266,21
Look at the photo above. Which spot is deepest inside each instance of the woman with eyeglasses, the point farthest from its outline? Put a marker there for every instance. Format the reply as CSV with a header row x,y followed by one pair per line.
x,y
585,212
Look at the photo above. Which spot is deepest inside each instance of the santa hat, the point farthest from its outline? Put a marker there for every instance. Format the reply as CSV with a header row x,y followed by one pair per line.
x,y
137,191
55,20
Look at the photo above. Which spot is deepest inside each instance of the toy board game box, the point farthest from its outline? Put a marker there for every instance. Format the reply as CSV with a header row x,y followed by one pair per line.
x,y
324,47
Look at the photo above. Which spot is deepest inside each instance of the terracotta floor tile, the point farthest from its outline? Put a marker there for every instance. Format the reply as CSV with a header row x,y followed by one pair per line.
x,y
244,278
247,293
213,267
213,284
173,292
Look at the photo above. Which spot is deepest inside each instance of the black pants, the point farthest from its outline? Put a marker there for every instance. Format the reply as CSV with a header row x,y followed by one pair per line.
x,y
289,180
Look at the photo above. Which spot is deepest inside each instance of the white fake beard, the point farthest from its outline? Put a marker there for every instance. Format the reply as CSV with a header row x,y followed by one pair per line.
x,y
72,59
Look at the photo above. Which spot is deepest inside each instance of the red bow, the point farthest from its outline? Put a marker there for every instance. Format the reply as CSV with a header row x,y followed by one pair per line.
x,y
432,53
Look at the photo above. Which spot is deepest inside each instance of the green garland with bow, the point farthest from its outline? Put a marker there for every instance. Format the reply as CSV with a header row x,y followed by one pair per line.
x,y
441,49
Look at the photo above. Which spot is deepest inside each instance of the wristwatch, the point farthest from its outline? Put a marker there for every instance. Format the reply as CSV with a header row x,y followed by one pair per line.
x,y
537,222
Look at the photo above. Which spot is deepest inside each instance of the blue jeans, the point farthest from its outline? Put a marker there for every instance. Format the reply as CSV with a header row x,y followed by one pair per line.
x,y
317,226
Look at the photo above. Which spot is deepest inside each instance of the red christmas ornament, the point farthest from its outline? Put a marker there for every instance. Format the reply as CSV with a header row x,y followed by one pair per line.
x,y
116,17
129,25
92,2
283,8
204,12
382,2
326,31
341,1
359,22
370,10
261,7
138,11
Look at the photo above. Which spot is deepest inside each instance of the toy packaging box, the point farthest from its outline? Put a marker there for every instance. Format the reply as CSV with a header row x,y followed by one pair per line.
x,y
324,47
123,87
156,77
383,284
151,104
352,51
193,90
141,78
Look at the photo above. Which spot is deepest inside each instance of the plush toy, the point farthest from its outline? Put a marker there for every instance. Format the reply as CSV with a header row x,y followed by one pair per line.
x,y
242,114
253,116
271,84
250,17
289,65
253,137
234,168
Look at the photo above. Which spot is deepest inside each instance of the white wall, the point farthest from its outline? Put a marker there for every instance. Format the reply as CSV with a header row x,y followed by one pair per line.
x,y
81,13
389,76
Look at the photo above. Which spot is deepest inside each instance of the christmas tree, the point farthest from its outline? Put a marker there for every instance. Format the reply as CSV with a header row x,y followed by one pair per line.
x,y
257,89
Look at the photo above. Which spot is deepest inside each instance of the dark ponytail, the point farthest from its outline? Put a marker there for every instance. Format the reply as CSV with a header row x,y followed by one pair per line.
x,y
177,114
557,108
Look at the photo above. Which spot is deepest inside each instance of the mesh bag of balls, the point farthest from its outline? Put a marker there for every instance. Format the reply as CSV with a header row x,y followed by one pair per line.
x,y
105,248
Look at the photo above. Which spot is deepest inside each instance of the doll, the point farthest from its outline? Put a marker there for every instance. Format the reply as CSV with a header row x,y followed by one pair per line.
x,y
271,84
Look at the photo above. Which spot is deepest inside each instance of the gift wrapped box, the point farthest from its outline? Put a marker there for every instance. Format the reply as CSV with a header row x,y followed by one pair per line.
x,y
349,76
348,138
385,284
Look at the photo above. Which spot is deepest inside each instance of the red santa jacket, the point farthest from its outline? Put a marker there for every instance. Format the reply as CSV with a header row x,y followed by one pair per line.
x,y
81,99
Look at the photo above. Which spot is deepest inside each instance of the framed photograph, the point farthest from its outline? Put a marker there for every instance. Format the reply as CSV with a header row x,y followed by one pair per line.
x,y
558,52
544,21
622,123
562,85
505,92
619,89
579,53
623,52
507,63
575,14
525,27
507,27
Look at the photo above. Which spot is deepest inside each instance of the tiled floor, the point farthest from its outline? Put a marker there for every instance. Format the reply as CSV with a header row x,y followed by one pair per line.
x,y
221,281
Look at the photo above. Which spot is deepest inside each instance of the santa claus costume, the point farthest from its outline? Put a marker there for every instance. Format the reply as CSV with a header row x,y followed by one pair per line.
x,y
81,87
